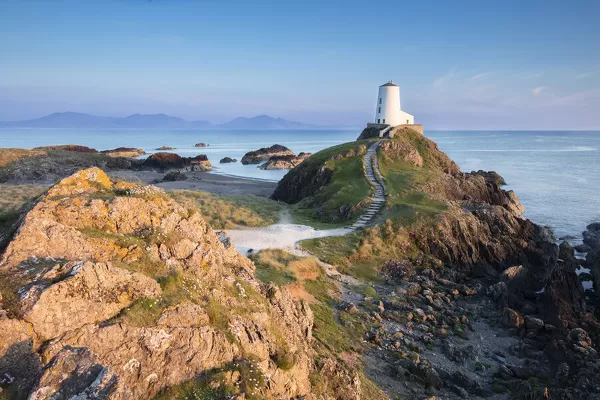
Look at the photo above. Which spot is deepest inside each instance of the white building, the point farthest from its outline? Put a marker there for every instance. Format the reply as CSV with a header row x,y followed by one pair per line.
x,y
388,109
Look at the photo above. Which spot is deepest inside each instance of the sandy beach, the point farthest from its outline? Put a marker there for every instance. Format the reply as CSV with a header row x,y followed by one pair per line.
x,y
205,181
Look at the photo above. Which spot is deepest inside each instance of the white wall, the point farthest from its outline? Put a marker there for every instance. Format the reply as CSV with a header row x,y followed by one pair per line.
x,y
388,105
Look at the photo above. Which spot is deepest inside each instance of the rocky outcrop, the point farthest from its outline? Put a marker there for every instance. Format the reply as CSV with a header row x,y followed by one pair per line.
x,y
47,166
118,152
227,160
161,148
163,161
95,292
201,144
124,152
284,162
68,147
263,154
130,293
173,176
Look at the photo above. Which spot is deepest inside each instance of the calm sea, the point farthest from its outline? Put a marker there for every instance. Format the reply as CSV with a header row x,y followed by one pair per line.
x,y
555,174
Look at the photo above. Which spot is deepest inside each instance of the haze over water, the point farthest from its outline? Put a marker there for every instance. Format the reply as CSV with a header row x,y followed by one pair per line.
x,y
555,174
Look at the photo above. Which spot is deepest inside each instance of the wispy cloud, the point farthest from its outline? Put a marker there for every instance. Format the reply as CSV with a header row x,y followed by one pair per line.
x,y
538,90
444,78
480,75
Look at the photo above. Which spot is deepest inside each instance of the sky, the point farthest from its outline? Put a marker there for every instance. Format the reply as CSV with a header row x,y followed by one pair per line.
x,y
501,65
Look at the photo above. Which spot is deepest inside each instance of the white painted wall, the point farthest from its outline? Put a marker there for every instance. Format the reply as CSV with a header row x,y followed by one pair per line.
x,y
388,110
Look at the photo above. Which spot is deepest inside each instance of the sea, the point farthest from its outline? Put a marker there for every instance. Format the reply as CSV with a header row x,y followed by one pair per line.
x,y
556,174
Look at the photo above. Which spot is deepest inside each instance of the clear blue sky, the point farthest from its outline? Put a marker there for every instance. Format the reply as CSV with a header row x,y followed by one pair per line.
x,y
460,64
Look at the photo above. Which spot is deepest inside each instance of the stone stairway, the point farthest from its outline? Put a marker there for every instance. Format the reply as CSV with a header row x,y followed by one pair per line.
x,y
373,175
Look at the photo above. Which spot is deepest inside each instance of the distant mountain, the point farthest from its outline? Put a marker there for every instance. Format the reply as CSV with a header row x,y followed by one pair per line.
x,y
80,120
153,121
264,122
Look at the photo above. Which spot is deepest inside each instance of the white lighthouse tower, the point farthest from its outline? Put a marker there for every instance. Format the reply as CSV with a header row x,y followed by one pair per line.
x,y
388,111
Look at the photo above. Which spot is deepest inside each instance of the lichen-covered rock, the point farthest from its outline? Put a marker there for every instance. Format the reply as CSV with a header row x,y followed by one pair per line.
x,y
131,293
93,293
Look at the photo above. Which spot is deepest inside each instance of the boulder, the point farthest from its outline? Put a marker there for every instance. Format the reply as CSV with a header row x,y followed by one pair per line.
x,y
512,318
173,176
124,152
284,162
163,161
227,160
201,145
263,154
165,148
93,293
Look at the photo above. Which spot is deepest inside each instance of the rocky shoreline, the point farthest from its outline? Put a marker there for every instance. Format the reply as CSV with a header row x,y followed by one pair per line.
x,y
451,294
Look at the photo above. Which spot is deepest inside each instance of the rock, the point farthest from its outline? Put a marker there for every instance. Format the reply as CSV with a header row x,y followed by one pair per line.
x,y
163,161
284,162
402,151
263,154
87,263
67,147
173,176
74,373
201,145
124,152
513,319
533,323
226,160
165,148
94,293
582,248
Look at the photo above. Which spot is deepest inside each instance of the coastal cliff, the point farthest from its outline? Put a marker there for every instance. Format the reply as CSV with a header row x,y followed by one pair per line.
x,y
467,297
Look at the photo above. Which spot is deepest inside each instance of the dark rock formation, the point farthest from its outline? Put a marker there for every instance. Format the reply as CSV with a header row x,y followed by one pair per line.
x,y
68,147
173,176
263,154
163,161
227,160
284,162
165,148
201,145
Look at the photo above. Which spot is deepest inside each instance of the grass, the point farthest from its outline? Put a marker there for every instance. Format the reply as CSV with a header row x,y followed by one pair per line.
x,y
213,385
334,336
228,212
344,196
14,197
9,155
283,268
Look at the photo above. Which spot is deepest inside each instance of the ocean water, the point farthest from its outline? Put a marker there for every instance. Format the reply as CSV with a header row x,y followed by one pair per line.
x,y
555,174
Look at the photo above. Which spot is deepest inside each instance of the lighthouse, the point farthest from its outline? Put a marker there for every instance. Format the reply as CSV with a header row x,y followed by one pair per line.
x,y
388,111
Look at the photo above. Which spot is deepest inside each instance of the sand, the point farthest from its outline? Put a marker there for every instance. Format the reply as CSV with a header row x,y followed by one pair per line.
x,y
205,181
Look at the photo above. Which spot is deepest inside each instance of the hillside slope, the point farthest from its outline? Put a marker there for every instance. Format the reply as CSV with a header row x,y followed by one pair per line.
x,y
466,298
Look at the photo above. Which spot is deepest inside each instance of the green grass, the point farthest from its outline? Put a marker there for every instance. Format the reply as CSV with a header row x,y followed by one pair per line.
x,y
228,212
333,335
343,198
212,385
